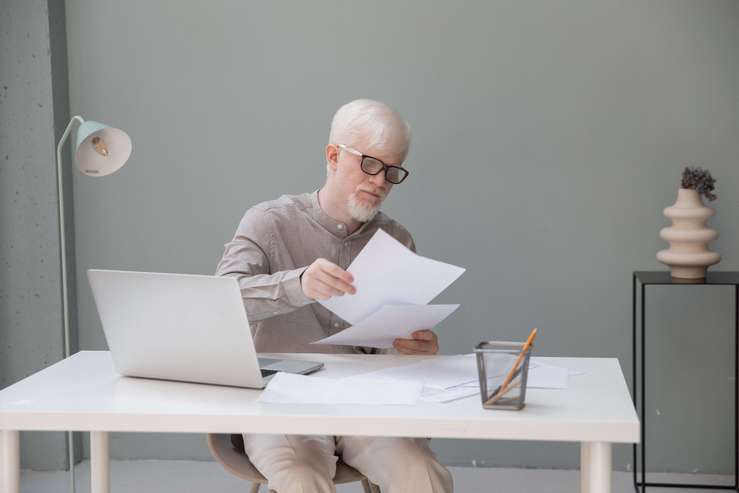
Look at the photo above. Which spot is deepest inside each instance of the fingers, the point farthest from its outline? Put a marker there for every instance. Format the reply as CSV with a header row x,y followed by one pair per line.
x,y
336,271
409,346
423,342
324,279
321,291
424,335
338,285
335,277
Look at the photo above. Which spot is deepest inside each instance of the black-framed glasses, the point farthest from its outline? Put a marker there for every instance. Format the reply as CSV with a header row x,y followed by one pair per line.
x,y
373,166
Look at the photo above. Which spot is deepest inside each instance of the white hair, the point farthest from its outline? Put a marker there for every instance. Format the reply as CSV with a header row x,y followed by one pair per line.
x,y
376,122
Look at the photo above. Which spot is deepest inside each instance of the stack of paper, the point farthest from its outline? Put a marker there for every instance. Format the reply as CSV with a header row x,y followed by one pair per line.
x,y
540,376
440,372
444,378
393,286
448,378
437,379
388,323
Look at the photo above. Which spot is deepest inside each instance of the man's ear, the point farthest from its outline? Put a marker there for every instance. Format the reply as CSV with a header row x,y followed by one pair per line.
x,y
332,157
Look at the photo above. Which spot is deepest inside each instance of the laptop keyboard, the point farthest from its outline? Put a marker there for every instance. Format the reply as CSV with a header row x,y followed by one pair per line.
x,y
266,373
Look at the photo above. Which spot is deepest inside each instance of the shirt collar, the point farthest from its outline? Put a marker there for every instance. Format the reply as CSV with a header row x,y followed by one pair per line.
x,y
335,227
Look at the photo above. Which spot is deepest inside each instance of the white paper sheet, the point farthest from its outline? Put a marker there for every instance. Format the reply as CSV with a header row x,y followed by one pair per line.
x,y
547,377
390,322
570,371
431,394
438,372
289,388
540,376
386,272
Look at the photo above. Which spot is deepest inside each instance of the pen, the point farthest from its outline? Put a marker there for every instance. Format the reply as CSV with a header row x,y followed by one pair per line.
x,y
504,386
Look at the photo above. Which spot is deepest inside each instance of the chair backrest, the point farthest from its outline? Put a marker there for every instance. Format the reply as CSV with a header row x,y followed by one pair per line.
x,y
233,460
238,442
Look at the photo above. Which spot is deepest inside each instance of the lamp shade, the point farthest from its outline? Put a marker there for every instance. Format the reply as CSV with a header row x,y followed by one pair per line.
x,y
101,150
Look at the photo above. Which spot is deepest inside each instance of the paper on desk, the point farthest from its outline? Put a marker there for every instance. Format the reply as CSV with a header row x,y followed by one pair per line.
x,y
390,322
540,376
547,377
439,372
447,395
570,371
386,272
289,388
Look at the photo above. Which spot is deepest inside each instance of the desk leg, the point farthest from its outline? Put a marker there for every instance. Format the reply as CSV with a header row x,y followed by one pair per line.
x,y
595,467
585,467
99,462
10,468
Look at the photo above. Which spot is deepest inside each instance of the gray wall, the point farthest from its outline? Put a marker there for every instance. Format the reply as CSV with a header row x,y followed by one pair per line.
x,y
33,113
549,136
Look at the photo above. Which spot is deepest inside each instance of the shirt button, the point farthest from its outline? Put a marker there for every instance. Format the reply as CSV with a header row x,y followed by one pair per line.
x,y
340,226
336,325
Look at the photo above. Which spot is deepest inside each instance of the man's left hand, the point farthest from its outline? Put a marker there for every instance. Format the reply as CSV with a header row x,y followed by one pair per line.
x,y
422,342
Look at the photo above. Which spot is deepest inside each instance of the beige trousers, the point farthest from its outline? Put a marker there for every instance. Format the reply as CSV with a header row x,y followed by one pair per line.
x,y
307,464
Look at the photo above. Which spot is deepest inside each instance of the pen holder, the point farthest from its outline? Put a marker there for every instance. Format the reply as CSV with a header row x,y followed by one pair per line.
x,y
502,370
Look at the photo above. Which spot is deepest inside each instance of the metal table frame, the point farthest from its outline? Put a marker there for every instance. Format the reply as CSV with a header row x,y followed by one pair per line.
x,y
645,278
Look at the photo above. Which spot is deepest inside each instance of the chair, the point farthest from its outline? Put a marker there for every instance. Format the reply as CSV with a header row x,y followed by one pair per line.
x,y
229,451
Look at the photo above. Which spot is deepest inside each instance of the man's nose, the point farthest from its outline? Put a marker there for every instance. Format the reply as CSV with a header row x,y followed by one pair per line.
x,y
378,180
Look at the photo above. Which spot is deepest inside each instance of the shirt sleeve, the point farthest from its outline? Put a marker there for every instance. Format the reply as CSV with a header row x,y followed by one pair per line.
x,y
246,258
411,244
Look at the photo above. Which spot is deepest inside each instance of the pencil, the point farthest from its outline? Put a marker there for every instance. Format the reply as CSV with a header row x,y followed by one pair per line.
x,y
509,376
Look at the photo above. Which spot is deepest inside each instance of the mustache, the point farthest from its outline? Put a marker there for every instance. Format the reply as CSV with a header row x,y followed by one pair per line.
x,y
377,191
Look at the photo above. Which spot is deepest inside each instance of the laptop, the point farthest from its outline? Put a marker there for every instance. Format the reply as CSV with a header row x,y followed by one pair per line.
x,y
190,328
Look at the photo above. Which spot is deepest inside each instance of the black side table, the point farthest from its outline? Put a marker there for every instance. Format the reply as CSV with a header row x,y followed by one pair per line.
x,y
645,278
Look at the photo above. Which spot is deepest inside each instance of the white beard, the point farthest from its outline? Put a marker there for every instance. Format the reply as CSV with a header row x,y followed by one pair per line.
x,y
360,212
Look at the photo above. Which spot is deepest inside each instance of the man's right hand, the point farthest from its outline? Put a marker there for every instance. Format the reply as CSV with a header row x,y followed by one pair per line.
x,y
324,279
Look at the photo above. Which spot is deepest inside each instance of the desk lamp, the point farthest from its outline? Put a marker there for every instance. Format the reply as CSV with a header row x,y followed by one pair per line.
x,y
99,151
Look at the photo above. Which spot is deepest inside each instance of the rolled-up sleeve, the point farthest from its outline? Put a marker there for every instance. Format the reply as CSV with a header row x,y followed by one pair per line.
x,y
246,258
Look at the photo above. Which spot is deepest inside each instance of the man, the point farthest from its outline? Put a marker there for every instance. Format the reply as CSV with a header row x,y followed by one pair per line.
x,y
290,252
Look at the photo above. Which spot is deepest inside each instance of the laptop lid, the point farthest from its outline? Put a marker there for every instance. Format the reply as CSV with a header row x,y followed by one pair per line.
x,y
176,327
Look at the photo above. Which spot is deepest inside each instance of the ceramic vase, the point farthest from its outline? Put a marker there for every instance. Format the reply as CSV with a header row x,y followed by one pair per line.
x,y
688,255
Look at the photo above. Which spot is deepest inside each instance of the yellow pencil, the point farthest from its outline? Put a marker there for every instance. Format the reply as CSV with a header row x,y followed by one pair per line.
x,y
509,376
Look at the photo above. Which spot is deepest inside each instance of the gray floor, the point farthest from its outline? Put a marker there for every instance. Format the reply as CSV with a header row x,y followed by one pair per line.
x,y
193,476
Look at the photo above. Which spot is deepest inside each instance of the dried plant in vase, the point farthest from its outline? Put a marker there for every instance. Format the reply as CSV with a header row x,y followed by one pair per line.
x,y
688,255
700,180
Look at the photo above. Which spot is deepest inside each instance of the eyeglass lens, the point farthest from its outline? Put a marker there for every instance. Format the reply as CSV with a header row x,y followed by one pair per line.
x,y
393,174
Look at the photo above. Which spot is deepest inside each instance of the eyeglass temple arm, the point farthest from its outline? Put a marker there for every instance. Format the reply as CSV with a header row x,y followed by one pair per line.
x,y
349,149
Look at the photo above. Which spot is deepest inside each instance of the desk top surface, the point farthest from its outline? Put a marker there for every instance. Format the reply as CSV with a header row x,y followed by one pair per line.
x,y
84,393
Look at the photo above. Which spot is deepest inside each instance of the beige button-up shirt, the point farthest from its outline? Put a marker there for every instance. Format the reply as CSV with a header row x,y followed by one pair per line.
x,y
274,243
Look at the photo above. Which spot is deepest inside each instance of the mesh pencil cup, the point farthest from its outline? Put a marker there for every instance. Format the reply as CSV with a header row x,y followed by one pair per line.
x,y
502,370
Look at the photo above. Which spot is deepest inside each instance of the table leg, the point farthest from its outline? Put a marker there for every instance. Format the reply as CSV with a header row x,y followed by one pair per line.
x,y
596,467
585,467
10,468
99,462
736,387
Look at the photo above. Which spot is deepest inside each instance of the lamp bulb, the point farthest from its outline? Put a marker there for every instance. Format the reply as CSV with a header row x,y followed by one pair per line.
x,y
100,146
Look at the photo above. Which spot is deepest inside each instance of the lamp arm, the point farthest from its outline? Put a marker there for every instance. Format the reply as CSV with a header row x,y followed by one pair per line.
x,y
62,235
63,262
66,133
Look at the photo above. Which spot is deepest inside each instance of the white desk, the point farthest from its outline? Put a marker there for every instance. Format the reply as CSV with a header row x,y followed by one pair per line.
x,y
83,393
